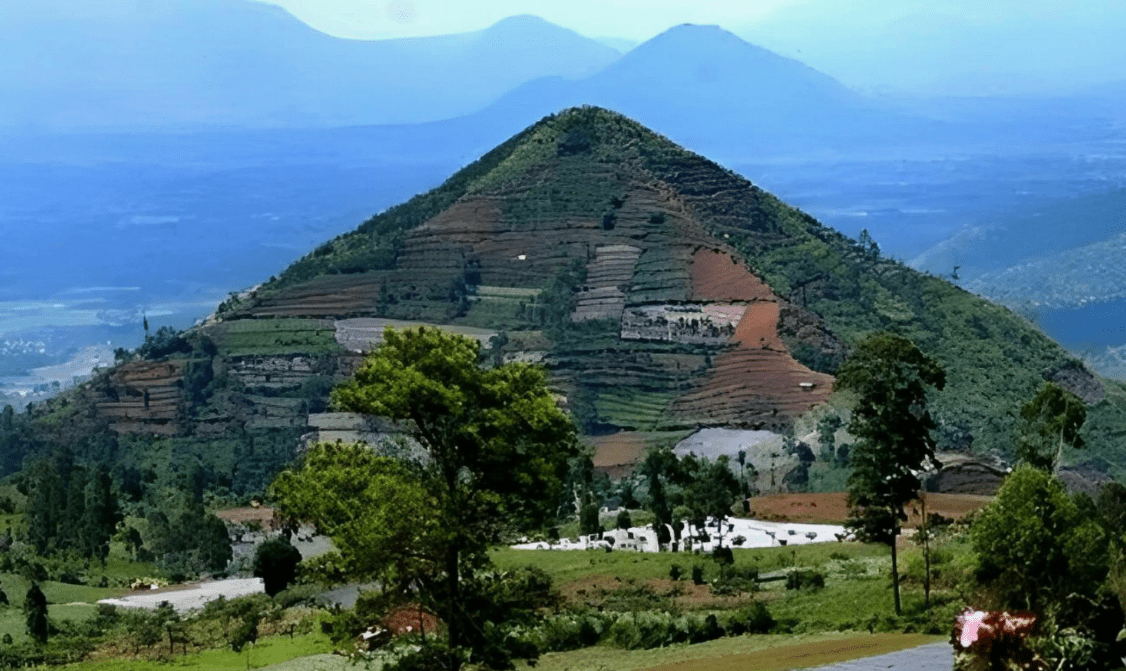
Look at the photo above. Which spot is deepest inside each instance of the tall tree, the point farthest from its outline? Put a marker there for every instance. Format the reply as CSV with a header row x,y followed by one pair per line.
x,y
35,608
892,425
100,515
660,468
1052,420
495,453
710,490
46,504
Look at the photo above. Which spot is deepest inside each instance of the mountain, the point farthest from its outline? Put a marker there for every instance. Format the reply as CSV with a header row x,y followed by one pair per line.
x,y
1029,234
662,292
174,64
704,86
1060,263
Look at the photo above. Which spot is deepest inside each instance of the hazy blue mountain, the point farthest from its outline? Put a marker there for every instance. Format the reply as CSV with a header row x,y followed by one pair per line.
x,y
953,47
619,43
1061,263
707,88
179,63
1028,236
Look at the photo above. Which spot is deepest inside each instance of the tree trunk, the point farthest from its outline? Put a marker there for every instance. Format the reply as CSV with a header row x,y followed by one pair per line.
x,y
452,625
895,571
926,530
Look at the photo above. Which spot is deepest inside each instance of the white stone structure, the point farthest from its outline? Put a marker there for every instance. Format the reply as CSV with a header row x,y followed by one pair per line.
x,y
755,534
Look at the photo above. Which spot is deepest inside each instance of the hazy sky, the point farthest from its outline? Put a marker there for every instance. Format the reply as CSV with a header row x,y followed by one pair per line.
x,y
933,47
632,19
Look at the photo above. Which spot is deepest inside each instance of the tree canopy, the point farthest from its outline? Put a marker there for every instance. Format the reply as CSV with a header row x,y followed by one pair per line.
x,y
1035,546
494,454
892,425
1051,420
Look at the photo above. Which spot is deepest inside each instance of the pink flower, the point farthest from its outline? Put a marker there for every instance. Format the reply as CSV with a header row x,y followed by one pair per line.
x,y
971,621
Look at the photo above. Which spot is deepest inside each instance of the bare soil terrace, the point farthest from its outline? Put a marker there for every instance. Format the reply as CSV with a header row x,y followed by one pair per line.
x,y
832,508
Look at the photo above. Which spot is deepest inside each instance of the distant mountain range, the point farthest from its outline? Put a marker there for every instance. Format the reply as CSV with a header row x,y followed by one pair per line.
x,y
1063,264
188,63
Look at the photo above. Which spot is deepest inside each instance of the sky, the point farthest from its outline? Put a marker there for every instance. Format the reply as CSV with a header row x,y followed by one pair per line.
x,y
631,19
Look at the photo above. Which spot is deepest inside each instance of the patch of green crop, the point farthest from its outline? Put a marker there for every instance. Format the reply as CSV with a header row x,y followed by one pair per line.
x,y
282,336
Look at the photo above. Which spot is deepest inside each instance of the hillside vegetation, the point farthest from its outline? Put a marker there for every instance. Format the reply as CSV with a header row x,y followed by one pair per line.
x,y
662,292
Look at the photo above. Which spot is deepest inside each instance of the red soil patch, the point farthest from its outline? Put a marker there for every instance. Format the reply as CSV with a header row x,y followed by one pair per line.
x,y
755,382
833,508
616,454
593,590
409,618
755,387
759,327
716,276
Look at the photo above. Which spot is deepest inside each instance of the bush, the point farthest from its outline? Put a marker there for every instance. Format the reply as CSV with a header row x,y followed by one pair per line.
x,y
754,619
432,655
675,572
723,555
569,632
275,562
697,575
805,579
735,580
300,595
646,629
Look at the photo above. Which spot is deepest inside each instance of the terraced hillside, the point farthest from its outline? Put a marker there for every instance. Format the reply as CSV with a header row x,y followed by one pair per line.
x,y
663,293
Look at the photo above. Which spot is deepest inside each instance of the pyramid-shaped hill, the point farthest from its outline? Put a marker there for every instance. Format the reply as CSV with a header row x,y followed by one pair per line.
x,y
572,238
663,291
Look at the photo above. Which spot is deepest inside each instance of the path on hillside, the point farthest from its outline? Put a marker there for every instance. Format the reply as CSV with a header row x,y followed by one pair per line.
x,y
930,657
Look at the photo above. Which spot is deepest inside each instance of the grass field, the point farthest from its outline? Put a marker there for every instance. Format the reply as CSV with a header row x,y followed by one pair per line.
x,y
272,651
571,565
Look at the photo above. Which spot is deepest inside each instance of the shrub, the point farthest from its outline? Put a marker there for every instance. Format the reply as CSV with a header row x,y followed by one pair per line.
x,y
569,632
735,580
675,572
723,555
754,619
805,579
697,575
647,629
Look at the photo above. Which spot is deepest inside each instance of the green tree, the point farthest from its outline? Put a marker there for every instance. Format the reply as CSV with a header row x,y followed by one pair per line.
x,y
100,515
275,562
660,467
589,522
1052,420
710,489
496,449
892,425
1035,547
827,436
46,504
35,609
